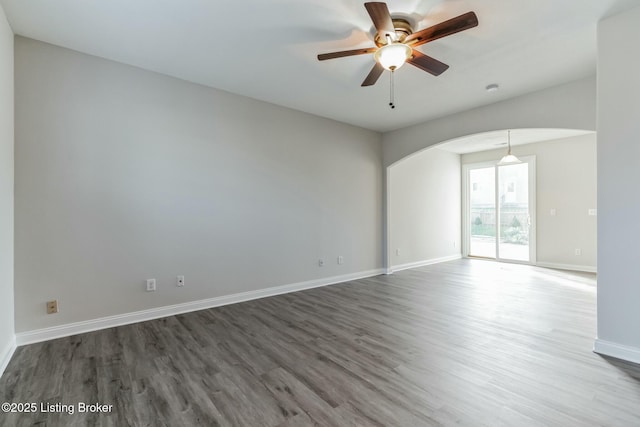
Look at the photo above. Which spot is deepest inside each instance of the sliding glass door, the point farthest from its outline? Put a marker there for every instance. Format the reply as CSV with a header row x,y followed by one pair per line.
x,y
499,211
514,233
482,212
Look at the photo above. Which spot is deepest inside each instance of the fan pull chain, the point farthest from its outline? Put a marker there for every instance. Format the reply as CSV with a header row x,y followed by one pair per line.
x,y
391,94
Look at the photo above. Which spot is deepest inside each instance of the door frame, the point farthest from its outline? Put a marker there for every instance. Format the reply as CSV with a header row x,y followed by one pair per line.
x,y
466,226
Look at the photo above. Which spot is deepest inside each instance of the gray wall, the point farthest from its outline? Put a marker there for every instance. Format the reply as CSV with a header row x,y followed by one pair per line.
x,y
565,181
6,188
568,106
618,178
424,208
123,174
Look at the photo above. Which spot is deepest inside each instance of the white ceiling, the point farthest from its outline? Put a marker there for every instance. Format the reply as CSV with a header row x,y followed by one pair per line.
x,y
266,49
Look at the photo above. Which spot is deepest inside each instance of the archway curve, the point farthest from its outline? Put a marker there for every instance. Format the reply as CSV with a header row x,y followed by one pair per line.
x,y
568,106
495,139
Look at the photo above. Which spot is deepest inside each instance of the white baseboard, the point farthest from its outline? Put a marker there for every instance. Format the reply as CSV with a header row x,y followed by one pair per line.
x,y
619,351
409,265
571,267
6,354
60,331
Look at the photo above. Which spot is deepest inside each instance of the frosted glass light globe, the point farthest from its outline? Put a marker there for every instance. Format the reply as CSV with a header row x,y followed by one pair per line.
x,y
392,56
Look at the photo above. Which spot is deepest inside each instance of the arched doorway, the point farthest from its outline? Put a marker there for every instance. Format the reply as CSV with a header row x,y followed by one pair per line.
x,y
427,221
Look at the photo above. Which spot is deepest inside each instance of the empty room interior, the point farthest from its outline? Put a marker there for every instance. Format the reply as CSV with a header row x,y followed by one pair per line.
x,y
282,213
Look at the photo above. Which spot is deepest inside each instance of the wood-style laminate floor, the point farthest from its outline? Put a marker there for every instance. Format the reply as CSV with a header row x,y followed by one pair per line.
x,y
467,342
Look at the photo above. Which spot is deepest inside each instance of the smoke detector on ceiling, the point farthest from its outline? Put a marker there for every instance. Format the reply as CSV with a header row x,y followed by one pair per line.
x,y
493,87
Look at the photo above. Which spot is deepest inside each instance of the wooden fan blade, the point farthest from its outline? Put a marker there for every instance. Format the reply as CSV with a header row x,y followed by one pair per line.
x,y
373,76
324,56
427,63
443,29
379,13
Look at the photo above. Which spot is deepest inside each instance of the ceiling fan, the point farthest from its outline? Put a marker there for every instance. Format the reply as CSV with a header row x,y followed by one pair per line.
x,y
396,42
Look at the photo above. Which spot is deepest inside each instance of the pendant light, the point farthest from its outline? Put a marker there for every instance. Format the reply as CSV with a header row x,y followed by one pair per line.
x,y
509,159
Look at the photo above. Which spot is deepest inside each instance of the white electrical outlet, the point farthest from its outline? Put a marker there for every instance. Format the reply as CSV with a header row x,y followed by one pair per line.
x,y
52,306
592,212
552,212
151,285
397,252
320,262
340,259
180,281
578,252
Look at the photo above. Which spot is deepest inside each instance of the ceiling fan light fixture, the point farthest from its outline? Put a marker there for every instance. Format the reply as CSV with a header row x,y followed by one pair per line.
x,y
393,55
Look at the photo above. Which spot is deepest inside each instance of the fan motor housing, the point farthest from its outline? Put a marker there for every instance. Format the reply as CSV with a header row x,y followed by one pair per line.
x,y
403,29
